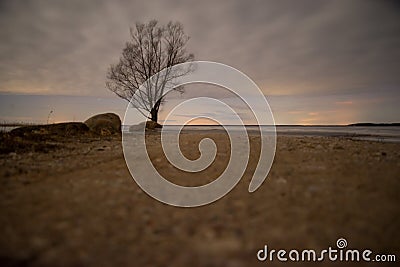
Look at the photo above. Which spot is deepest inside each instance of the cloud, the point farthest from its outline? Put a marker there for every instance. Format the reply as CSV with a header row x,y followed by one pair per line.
x,y
56,47
339,49
344,103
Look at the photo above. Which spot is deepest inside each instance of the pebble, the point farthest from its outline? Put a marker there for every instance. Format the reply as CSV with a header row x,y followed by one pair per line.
x,y
281,180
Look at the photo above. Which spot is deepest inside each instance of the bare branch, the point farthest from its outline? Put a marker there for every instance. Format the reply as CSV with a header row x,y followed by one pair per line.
x,y
152,48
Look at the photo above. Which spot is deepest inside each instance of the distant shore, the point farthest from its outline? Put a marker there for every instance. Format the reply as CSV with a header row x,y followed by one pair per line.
x,y
374,124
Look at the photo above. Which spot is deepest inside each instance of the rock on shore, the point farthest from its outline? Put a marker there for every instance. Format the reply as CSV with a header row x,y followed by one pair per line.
x,y
104,124
150,125
101,124
62,129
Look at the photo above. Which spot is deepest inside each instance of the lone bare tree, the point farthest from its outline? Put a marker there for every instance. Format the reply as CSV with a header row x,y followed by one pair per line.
x,y
152,48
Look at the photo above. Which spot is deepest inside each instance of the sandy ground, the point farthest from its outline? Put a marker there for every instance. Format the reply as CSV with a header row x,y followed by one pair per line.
x,y
77,205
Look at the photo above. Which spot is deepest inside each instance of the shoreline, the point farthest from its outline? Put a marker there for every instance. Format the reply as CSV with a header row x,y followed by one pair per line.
x,y
378,134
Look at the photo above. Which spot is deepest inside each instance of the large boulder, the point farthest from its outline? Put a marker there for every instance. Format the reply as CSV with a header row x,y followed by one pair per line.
x,y
150,125
56,129
104,124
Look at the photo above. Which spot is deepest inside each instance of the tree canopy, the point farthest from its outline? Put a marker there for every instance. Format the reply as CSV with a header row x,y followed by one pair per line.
x,y
152,48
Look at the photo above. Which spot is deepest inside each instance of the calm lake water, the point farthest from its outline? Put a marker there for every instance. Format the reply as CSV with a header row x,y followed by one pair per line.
x,y
372,133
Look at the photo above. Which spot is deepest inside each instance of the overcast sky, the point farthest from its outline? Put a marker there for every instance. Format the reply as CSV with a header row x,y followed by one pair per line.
x,y
318,62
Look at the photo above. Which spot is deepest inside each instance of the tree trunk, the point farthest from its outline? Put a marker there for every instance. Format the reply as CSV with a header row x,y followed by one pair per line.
x,y
154,111
154,115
